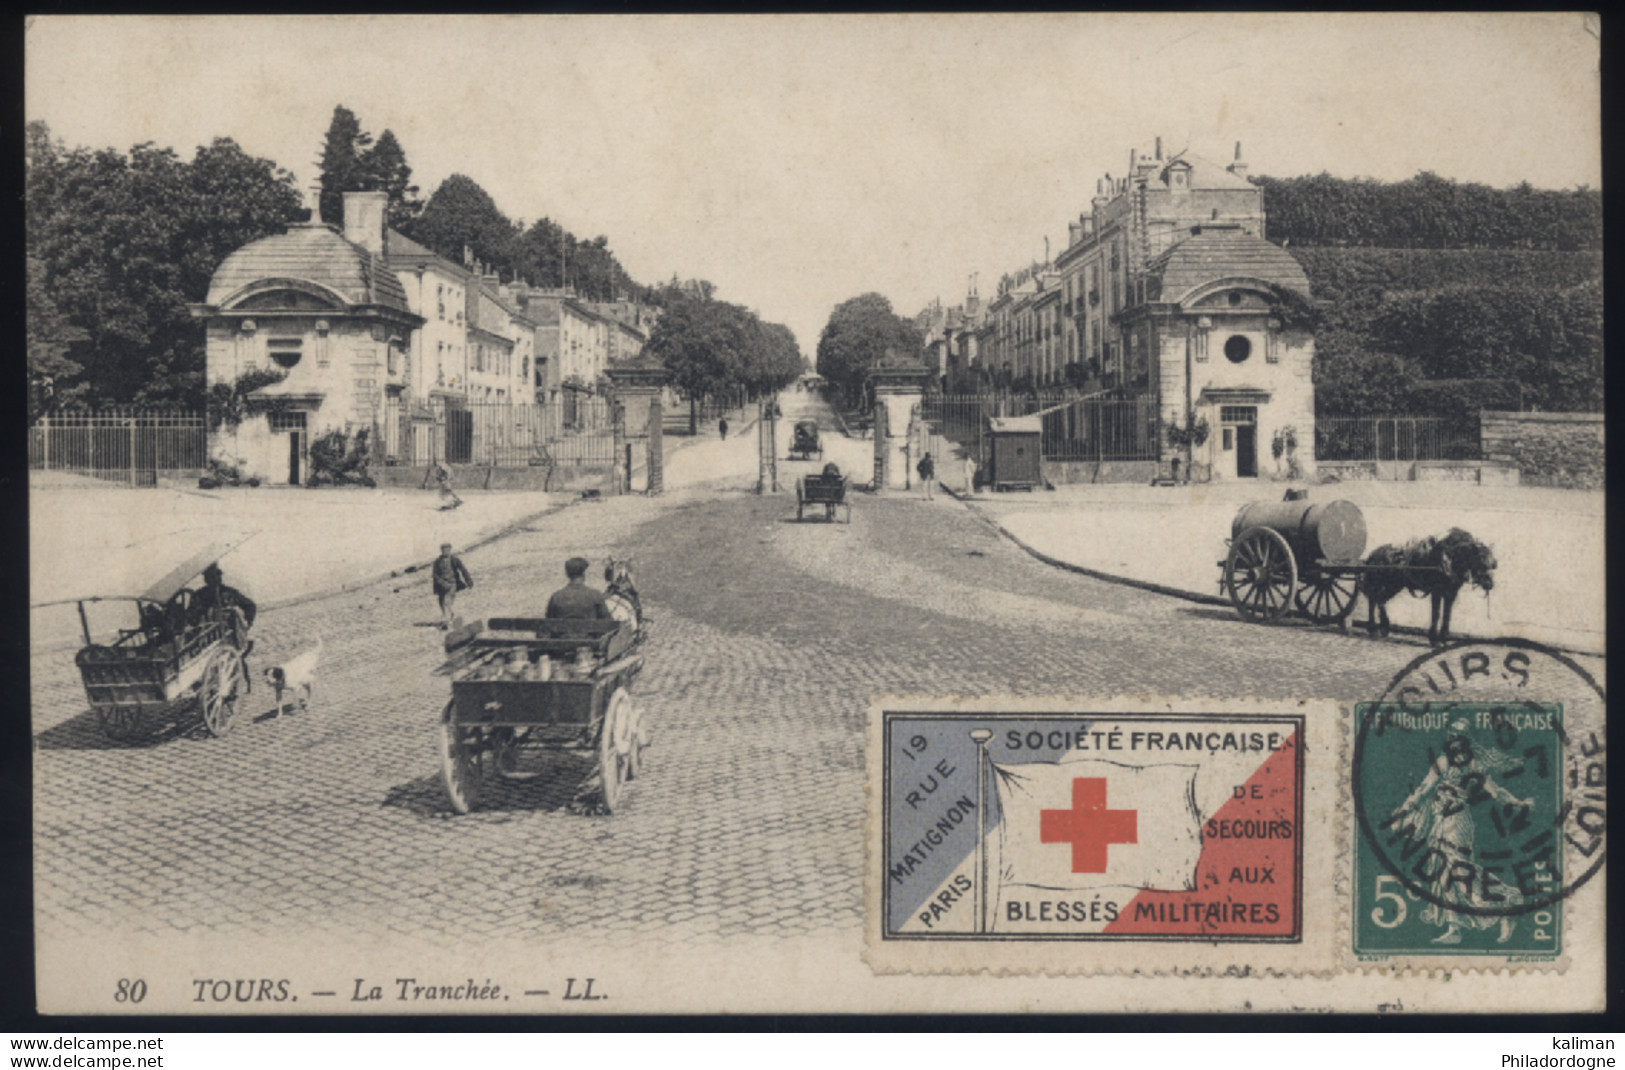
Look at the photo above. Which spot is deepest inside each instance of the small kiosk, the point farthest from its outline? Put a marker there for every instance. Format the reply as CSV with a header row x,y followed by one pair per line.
x,y
1015,452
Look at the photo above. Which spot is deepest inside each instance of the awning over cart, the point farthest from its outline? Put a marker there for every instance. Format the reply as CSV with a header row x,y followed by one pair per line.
x,y
185,572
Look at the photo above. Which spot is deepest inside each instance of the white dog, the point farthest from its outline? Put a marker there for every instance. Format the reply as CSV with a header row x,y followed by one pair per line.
x,y
295,674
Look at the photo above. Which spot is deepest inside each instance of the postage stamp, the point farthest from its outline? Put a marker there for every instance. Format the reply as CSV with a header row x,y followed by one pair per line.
x,y
1478,788
1111,836
1460,811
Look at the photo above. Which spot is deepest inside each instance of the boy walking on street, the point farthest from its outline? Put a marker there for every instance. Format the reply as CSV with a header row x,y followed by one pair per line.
x,y
928,473
722,426
449,577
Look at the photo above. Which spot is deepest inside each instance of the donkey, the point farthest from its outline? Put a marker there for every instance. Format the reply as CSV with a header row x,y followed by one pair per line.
x,y
1427,567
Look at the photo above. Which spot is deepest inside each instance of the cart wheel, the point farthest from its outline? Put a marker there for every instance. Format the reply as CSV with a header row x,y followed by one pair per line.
x,y
615,742
217,694
119,722
460,767
1327,598
1260,575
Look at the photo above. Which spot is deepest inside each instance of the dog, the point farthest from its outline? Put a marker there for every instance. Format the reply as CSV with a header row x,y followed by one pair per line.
x,y
296,674
1428,568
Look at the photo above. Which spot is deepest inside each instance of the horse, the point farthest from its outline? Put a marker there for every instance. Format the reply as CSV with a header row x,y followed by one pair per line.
x,y
622,594
1426,567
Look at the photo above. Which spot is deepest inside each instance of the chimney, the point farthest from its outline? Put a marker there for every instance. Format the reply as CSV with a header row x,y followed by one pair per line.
x,y
1159,148
1088,224
364,219
1074,232
1239,167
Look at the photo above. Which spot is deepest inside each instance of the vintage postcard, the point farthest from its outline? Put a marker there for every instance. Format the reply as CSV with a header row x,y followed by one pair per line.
x,y
816,514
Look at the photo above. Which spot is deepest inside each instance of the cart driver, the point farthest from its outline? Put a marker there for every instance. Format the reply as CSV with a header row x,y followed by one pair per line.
x,y
575,600
832,472
214,598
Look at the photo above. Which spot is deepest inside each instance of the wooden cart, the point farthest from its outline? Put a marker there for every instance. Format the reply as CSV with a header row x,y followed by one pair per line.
x,y
828,491
526,683
165,657
804,441
1300,554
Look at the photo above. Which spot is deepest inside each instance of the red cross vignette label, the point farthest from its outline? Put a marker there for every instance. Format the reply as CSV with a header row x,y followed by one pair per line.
x,y
1103,827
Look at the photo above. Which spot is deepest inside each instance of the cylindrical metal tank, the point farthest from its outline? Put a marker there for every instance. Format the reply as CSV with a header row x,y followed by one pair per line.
x,y
1334,531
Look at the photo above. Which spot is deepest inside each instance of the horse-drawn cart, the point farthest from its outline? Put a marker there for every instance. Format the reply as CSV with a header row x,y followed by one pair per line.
x,y
828,490
173,653
1298,554
804,441
523,684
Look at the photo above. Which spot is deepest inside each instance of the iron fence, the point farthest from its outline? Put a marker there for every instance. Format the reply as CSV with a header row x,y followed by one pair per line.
x,y
129,446
1401,439
1075,427
569,431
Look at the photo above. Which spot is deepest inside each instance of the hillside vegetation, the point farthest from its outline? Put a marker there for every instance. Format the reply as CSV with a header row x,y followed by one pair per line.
x,y
1451,331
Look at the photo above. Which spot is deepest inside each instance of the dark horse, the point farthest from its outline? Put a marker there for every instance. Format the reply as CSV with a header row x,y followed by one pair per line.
x,y
1428,567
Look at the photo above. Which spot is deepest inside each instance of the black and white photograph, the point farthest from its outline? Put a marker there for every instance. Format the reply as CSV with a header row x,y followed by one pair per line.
x,y
816,514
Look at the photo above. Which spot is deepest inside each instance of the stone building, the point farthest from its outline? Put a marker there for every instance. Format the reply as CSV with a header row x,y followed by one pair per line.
x,y
1168,290
306,332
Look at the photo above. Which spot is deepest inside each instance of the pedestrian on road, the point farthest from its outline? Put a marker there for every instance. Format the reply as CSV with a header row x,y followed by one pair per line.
x,y
575,600
448,497
928,471
970,474
722,426
449,577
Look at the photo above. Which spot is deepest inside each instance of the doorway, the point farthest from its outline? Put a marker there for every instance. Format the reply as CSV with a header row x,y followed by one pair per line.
x,y
1246,451
293,456
1239,424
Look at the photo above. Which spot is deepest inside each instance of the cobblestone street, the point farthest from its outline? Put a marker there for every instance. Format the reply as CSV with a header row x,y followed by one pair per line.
x,y
768,639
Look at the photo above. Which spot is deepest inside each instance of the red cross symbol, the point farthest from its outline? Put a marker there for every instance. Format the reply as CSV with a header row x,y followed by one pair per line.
x,y
1088,826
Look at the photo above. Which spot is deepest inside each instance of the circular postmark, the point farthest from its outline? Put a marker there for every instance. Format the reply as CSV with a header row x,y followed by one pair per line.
x,y
1479,779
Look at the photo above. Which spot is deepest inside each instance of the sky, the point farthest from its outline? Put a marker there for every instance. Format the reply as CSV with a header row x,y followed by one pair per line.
x,y
797,161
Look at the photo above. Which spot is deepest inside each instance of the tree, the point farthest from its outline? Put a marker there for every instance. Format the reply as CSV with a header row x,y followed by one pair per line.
x,y
384,168
342,163
859,334
706,347
125,242
462,215
49,336
776,361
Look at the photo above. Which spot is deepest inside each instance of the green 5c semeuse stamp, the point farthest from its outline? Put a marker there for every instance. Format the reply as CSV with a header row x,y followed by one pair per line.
x,y
1461,816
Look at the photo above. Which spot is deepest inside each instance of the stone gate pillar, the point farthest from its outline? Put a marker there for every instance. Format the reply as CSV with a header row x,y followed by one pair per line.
x,y
638,383
898,384
657,445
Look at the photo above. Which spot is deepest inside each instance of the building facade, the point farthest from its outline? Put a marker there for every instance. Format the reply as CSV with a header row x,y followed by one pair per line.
x,y
1168,289
306,333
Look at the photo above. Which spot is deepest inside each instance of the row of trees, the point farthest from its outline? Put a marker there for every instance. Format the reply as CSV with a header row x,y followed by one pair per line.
x,y
1429,212
1454,352
862,332
712,347
460,215
117,244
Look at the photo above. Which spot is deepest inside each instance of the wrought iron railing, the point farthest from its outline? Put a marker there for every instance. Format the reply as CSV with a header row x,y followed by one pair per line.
x,y
128,446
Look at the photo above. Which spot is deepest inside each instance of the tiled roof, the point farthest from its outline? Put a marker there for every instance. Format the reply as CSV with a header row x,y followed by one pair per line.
x,y
1205,174
315,253
1219,254
403,251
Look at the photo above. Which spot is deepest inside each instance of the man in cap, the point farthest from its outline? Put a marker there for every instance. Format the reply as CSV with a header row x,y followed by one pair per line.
x,y
449,577
575,600
214,598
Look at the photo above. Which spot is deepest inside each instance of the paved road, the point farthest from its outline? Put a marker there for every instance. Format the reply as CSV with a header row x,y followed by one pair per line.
x,y
769,638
